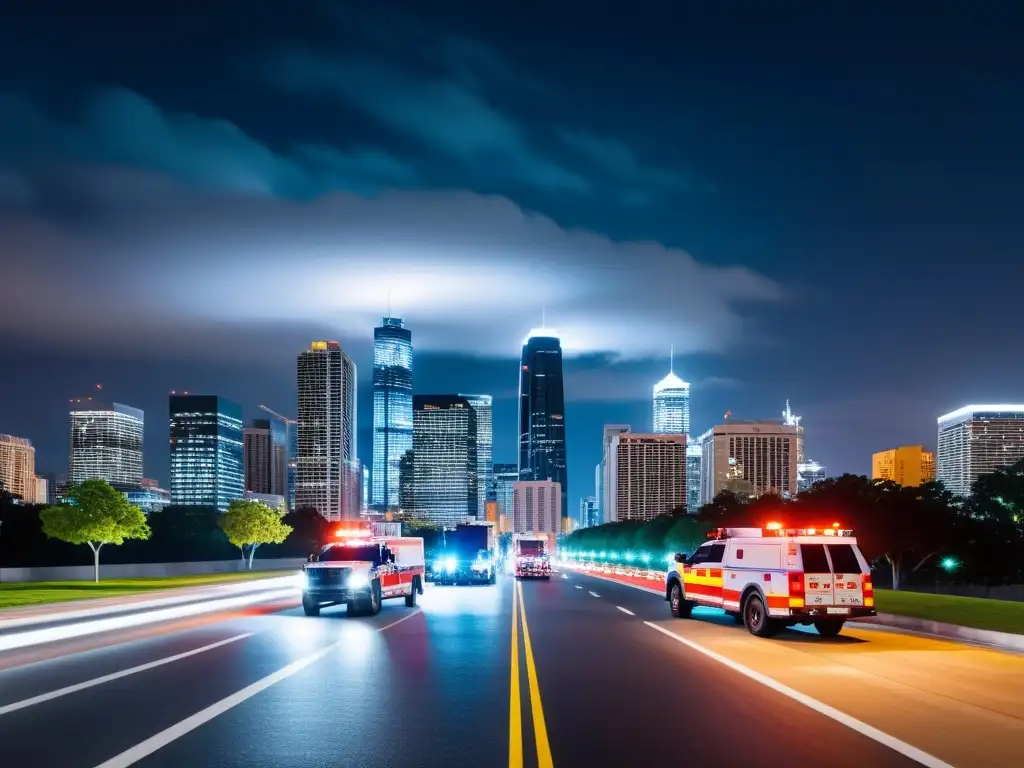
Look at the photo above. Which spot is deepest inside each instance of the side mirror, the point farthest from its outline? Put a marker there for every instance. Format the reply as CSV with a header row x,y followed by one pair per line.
x,y
681,557
313,558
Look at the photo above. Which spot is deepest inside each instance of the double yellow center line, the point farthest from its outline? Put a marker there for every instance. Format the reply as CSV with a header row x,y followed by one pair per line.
x,y
515,711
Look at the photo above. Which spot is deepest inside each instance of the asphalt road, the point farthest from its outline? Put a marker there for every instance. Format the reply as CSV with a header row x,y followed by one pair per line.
x,y
604,679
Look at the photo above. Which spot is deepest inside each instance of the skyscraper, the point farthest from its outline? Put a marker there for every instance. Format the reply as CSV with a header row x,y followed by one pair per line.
x,y
326,430
976,440
588,512
18,468
650,475
749,458
444,459
207,467
106,443
537,507
907,465
484,406
392,408
607,497
265,451
542,411
671,404
694,453
504,477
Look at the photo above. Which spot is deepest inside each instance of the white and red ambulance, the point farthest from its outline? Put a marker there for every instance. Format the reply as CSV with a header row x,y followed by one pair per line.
x,y
360,570
773,577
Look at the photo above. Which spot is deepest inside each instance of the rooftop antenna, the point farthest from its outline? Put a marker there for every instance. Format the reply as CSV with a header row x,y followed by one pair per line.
x,y
671,358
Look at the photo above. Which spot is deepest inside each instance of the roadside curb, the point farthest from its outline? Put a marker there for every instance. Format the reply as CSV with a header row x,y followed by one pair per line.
x,y
946,631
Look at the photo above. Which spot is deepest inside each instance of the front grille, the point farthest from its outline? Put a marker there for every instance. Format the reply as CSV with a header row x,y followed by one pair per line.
x,y
326,577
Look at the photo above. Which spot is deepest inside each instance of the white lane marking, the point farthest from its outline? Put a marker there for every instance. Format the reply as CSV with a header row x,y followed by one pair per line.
x,y
116,675
565,575
852,723
658,592
188,595
163,738
578,587
68,631
595,594
625,610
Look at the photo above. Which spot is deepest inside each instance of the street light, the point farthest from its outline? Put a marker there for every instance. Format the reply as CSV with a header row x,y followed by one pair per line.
x,y
949,564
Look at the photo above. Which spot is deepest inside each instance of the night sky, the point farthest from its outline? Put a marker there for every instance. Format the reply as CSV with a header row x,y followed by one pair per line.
x,y
813,201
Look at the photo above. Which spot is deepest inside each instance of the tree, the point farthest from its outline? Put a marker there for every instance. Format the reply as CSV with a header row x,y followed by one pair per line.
x,y
249,523
95,514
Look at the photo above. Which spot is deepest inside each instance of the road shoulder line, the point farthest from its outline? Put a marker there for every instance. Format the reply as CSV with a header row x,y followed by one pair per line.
x,y
67,690
897,745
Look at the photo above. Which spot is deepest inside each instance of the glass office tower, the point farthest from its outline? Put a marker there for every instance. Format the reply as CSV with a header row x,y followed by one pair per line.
x,y
444,461
484,407
542,411
105,443
207,467
392,409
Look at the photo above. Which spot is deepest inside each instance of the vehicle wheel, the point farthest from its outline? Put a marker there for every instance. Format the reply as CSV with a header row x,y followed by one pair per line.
x,y
755,617
680,607
353,608
374,604
829,628
418,585
410,599
310,607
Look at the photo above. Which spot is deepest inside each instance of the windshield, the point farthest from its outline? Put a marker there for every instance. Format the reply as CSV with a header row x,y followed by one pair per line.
x,y
339,553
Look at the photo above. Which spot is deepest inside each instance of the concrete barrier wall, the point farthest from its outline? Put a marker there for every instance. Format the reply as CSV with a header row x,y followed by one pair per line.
x,y
1013,592
144,570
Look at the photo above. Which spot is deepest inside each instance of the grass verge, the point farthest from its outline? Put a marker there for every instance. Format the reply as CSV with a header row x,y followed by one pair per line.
x,y
981,613
17,595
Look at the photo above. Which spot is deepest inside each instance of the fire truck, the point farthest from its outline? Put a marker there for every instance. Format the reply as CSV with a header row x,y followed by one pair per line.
x,y
360,570
532,553
774,577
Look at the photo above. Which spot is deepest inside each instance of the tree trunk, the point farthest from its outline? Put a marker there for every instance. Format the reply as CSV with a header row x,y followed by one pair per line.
x,y
252,551
95,560
895,563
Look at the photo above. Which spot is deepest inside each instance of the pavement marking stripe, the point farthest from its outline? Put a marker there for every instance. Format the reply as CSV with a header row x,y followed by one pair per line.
x,y
81,629
43,697
163,738
625,610
578,587
594,594
540,728
515,707
897,745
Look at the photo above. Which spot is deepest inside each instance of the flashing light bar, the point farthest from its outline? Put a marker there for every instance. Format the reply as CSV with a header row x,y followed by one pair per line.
x,y
776,529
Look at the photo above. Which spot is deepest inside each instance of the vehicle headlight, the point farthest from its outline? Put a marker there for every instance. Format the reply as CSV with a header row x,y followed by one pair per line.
x,y
357,581
450,565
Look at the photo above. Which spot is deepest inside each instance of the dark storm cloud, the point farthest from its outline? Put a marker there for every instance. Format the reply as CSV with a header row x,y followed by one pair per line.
x,y
119,127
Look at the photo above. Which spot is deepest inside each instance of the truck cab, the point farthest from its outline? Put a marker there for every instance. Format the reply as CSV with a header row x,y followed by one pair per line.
x,y
362,571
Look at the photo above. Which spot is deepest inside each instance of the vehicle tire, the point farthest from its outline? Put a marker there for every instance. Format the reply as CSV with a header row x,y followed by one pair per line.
x,y
418,583
374,604
829,627
755,617
679,606
310,607
353,608
410,599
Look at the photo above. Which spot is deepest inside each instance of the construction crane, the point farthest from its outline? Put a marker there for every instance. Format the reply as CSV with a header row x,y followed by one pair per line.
x,y
277,415
289,458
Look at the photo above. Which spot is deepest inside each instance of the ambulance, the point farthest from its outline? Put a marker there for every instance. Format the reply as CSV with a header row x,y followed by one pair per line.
x,y
360,570
775,577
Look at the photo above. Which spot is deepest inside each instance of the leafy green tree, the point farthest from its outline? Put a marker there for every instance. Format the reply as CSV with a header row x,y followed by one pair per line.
x,y
95,514
249,523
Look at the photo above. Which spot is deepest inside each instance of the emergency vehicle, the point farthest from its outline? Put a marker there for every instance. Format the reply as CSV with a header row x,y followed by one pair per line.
x,y
360,570
774,577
